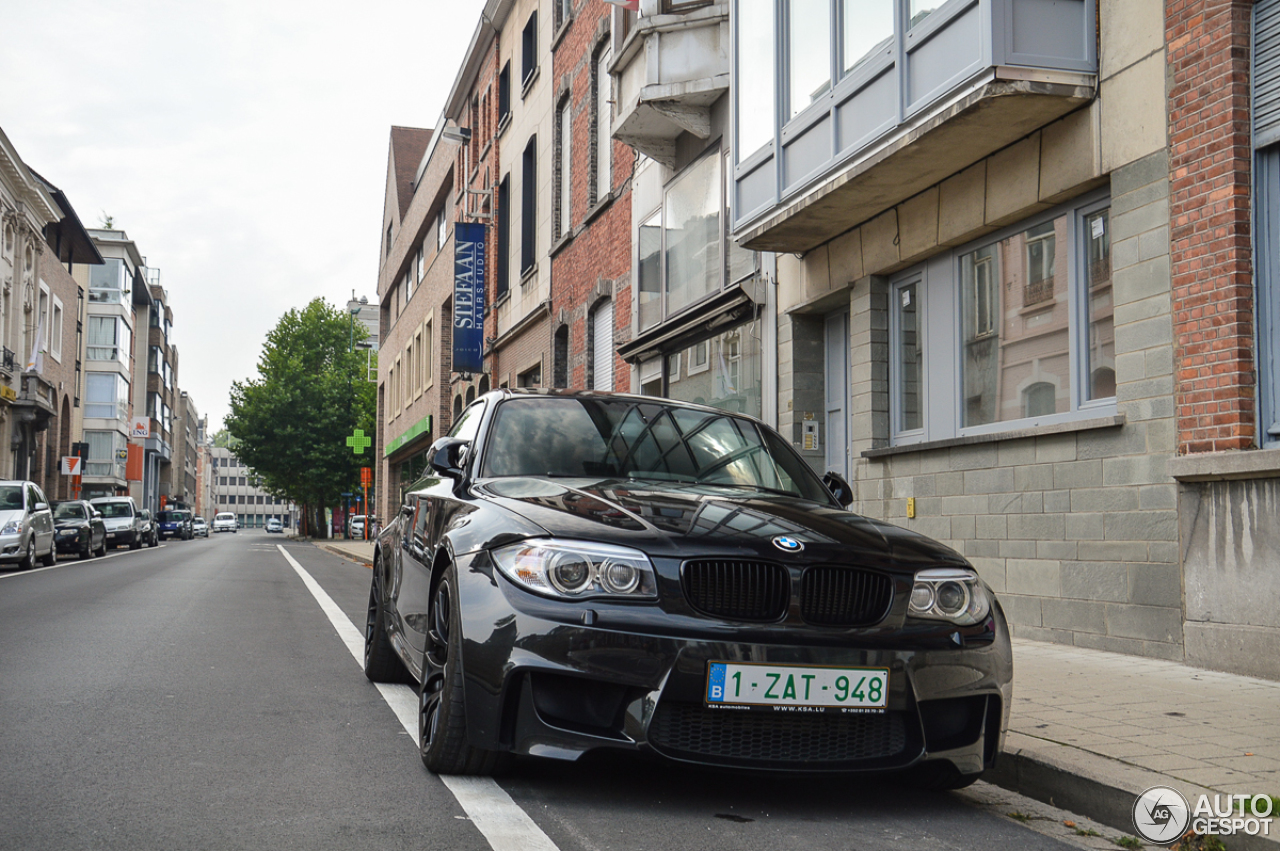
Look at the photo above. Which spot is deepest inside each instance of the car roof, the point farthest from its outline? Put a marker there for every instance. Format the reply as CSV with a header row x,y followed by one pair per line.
x,y
507,393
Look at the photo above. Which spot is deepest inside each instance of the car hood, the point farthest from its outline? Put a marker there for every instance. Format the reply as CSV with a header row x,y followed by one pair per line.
x,y
69,523
115,523
11,514
683,520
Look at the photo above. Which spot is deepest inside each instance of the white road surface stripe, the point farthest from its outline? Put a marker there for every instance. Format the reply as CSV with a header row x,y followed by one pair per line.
x,y
490,808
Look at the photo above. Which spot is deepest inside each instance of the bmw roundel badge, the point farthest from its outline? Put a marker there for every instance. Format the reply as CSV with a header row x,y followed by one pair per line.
x,y
787,544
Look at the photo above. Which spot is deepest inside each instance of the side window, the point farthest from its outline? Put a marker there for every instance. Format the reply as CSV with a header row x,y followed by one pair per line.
x,y
421,523
468,423
33,496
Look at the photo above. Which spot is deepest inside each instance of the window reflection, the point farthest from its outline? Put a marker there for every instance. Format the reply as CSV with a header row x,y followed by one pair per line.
x,y
755,75
809,49
867,30
1102,335
1016,332
724,371
918,10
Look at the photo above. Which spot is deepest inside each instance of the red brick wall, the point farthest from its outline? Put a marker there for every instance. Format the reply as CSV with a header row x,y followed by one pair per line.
x,y
593,259
1210,165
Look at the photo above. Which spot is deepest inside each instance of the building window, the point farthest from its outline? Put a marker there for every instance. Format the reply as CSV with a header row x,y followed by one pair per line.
x,y
724,371
680,257
602,346
560,357
56,329
420,264
502,272
866,30
504,94
529,206
530,377
1032,329
106,395
442,227
564,159
101,460
428,355
808,52
529,49
108,282
602,141
388,239
564,12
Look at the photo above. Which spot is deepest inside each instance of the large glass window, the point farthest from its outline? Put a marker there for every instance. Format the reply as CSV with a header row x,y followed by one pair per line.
x,y
809,52
691,230
1033,329
649,273
603,120
102,459
724,371
755,75
866,30
106,395
108,282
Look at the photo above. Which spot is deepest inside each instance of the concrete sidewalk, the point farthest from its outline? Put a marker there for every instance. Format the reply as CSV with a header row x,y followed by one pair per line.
x,y
1092,730
359,551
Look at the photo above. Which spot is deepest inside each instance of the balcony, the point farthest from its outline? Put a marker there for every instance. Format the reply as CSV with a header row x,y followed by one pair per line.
x,y
916,100
669,71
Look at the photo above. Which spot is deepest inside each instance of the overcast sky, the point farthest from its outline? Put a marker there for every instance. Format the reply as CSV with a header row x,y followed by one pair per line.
x,y
242,144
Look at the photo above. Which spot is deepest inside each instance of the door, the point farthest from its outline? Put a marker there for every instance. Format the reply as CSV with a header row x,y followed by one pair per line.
x,y
836,340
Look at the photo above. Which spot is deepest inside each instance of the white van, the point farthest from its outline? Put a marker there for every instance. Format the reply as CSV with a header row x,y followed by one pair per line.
x,y
224,521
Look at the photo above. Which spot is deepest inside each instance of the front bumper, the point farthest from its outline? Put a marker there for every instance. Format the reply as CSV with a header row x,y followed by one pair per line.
x,y
121,536
536,683
71,543
13,548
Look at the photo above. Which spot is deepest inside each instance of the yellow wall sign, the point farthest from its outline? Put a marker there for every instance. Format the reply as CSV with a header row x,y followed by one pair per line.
x,y
8,393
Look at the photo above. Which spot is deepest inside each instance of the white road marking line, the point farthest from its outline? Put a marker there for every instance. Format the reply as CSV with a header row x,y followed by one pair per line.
x,y
490,808
70,562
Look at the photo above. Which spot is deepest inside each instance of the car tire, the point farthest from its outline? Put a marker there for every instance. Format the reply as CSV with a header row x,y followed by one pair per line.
x,y
442,717
381,664
87,552
102,550
50,558
135,544
29,560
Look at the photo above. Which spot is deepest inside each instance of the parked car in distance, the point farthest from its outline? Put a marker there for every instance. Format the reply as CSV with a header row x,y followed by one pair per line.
x,y
199,527
147,528
120,515
26,525
224,521
626,572
176,523
78,528
273,525
355,526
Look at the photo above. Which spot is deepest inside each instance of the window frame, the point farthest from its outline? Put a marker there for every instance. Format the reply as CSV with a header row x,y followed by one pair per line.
x,y
941,332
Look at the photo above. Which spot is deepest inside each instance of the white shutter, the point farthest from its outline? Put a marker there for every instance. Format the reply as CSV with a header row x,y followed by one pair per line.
x,y
602,347
1266,73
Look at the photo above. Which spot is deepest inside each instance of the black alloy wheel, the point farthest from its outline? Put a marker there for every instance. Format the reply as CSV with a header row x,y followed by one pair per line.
x,y
86,552
442,719
381,664
102,549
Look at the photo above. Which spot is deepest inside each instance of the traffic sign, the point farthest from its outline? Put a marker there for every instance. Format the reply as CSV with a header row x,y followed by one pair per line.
x,y
71,465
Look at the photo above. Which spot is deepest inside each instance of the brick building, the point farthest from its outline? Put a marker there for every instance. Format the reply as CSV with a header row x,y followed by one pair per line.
x,y
590,305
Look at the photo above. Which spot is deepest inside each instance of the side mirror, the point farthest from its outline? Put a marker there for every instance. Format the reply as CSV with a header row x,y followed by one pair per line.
x,y
448,454
41,506
839,489
406,510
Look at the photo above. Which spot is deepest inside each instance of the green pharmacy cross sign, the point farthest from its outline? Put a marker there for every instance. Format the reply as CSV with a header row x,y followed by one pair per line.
x,y
358,442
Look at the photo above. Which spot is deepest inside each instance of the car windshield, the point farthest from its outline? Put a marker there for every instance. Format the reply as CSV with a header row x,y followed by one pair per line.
x,y
642,439
10,497
69,511
116,509
171,516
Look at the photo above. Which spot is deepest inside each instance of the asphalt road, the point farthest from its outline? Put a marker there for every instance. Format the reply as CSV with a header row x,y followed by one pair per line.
x,y
200,695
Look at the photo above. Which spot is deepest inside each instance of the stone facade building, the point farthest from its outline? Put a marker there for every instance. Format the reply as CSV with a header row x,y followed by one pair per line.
x,y
1015,299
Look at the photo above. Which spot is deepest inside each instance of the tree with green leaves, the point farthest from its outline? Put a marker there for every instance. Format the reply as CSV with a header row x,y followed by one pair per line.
x,y
311,393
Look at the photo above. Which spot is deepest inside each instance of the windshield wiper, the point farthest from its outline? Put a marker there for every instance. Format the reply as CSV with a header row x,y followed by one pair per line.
x,y
761,488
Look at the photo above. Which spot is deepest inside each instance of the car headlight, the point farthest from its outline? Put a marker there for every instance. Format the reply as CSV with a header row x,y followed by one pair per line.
x,y
949,594
577,569
13,527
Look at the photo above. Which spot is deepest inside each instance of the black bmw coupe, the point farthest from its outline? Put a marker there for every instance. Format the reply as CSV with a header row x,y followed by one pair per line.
x,y
584,570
